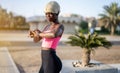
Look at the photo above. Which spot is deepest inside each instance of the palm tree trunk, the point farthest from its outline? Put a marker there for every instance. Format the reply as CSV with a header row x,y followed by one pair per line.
x,y
85,57
112,30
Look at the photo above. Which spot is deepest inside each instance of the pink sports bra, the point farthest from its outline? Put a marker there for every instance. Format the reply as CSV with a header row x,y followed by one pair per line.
x,y
50,42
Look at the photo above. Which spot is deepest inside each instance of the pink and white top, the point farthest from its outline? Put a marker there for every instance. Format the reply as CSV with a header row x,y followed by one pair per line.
x,y
50,42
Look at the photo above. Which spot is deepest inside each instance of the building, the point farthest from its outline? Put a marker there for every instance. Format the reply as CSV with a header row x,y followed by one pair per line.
x,y
69,22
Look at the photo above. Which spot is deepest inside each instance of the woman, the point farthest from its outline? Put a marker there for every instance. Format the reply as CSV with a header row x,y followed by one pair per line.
x,y
50,38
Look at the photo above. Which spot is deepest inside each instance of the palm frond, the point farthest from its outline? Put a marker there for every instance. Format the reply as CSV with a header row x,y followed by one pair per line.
x,y
110,16
74,41
89,42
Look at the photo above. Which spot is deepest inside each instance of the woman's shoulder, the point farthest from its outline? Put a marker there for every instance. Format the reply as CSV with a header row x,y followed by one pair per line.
x,y
62,26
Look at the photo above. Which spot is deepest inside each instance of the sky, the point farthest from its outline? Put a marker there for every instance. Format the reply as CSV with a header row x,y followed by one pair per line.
x,y
28,8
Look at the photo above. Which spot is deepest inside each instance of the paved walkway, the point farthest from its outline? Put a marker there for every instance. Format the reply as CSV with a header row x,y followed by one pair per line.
x,y
116,66
23,36
7,64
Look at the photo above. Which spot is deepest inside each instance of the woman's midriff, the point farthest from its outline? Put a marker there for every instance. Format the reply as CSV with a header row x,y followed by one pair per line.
x,y
44,48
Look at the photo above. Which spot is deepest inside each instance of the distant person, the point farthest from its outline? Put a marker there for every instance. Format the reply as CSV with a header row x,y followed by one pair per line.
x,y
50,36
92,24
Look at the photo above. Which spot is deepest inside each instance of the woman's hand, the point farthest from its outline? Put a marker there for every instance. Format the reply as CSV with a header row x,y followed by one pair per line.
x,y
34,33
31,34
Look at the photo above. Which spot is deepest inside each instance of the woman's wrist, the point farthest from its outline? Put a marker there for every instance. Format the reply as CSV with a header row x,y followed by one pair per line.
x,y
40,35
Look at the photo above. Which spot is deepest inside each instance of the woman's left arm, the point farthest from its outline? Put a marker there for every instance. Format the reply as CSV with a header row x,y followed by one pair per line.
x,y
59,31
54,33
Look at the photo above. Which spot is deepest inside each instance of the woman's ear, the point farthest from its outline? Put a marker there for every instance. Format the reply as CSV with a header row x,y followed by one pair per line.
x,y
58,13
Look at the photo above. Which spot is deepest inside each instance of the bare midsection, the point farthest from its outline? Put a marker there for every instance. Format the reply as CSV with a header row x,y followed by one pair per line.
x,y
45,48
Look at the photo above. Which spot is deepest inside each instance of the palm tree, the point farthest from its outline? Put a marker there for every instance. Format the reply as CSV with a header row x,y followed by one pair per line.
x,y
88,44
111,17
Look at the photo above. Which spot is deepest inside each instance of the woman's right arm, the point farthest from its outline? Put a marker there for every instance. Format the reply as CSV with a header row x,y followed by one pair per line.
x,y
35,36
36,39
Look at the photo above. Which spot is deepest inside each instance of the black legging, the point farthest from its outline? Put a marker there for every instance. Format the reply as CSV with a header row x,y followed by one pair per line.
x,y
50,62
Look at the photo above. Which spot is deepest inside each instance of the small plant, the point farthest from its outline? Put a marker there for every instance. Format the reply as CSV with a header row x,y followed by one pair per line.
x,y
88,44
